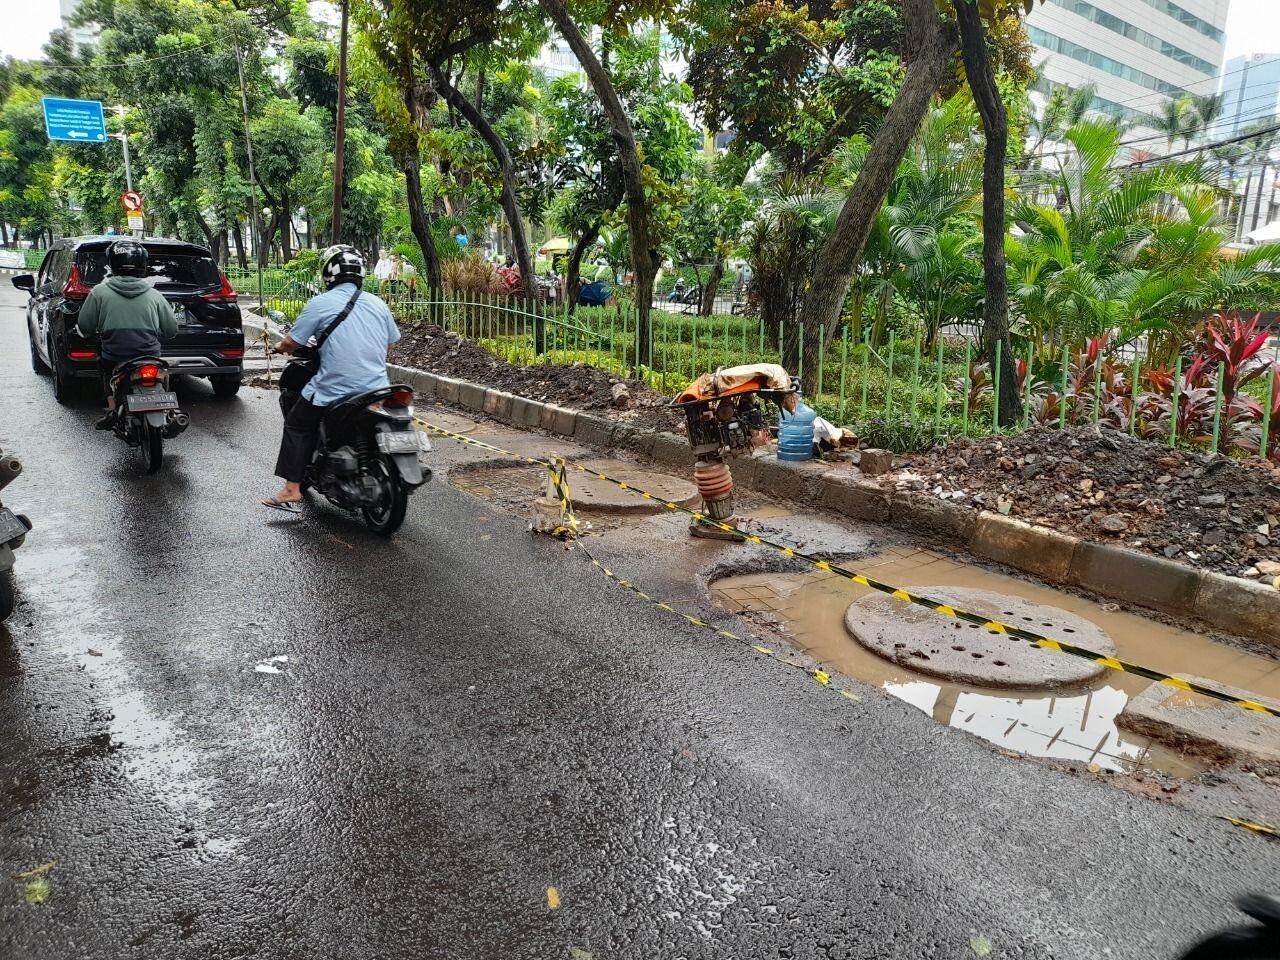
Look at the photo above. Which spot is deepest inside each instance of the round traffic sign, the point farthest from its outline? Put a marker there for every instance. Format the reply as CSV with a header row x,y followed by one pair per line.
x,y
132,201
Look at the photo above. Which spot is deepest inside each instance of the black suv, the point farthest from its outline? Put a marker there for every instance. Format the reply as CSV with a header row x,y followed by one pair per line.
x,y
210,340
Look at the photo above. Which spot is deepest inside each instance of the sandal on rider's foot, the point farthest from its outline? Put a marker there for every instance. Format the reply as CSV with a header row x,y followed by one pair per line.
x,y
284,506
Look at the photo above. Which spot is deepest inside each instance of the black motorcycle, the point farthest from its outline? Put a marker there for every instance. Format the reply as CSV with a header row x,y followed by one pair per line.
x,y
1260,941
366,461
146,410
13,532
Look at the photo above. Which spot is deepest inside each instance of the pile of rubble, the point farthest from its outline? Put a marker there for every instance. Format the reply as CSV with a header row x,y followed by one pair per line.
x,y
1209,511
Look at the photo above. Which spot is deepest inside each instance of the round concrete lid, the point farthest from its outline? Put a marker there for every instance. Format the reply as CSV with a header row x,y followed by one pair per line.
x,y
929,643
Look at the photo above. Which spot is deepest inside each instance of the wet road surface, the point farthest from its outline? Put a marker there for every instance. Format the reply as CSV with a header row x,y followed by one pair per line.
x,y
467,717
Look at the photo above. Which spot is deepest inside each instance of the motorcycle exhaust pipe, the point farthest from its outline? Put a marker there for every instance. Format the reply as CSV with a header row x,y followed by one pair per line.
x,y
177,422
10,467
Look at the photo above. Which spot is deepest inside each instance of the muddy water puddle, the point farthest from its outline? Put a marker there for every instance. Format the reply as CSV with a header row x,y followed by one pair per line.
x,y
1075,724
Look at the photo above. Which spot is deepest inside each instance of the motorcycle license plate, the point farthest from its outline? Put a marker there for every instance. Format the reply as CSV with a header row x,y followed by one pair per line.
x,y
410,441
10,526
149,402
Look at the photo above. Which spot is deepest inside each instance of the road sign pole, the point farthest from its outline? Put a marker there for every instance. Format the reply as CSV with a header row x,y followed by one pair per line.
x,y
123,136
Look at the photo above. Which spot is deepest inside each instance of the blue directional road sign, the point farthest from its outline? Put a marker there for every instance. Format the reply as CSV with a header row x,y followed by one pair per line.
x,y
77,121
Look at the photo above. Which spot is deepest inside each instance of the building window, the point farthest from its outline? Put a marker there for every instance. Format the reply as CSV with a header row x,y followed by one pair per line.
x,y
1056,44
1103,19
1189,19
1100,104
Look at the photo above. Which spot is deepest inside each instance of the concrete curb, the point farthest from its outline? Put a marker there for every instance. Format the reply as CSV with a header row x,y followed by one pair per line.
x,y
1225,603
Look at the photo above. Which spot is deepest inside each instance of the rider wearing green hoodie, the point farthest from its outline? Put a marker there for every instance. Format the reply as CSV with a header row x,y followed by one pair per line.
x,y
128,314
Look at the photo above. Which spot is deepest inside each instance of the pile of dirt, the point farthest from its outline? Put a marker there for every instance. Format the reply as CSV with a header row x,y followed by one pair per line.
x,y
583,387
1208,511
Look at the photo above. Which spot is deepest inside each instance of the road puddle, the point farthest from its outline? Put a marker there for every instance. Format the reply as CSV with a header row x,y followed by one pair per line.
x,y
1076,724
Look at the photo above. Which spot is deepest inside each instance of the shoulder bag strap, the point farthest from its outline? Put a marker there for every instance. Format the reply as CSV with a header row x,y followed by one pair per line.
x,y
342,315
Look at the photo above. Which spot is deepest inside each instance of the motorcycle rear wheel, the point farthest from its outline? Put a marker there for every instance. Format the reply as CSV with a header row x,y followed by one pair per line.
x,y
7,597
152,447
386,517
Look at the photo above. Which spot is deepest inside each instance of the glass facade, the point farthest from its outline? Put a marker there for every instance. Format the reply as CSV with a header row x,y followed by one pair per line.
x,y
1101,104
1075,51
1137,34
1197,24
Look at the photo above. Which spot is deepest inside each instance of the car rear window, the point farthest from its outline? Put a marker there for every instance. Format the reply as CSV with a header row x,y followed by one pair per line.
x,y
166,269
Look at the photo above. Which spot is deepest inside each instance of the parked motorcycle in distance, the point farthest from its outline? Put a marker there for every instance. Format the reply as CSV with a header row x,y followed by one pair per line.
x,y
146,412
1260,941
13,532
367,459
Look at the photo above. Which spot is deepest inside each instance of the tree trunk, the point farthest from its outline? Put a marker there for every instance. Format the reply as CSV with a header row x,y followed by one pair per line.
x,y
995,309
286,220
510,205
415,101
930,44
644,260
573,270
419,222
237,235
714,276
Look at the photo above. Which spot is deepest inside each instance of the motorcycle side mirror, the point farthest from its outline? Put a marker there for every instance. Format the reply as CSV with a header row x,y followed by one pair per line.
x,y
277,316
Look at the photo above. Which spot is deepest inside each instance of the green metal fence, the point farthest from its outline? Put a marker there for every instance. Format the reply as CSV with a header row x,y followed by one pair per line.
x,y
902,393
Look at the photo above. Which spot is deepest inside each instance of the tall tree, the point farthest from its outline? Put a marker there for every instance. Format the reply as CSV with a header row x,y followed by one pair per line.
x,y
995,308
930,43
644,252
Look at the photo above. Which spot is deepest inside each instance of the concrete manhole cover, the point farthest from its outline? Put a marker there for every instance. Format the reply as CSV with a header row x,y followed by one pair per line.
x,y
939,646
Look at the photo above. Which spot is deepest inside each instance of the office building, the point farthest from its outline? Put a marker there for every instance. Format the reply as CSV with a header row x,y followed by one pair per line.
x,y
80,35
1250,91
1139,54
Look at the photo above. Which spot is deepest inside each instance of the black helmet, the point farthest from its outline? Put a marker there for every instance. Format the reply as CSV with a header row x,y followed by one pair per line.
x,y
127,258
341,264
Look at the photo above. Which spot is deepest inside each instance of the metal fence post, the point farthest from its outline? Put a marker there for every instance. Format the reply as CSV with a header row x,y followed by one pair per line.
x,y
1217,410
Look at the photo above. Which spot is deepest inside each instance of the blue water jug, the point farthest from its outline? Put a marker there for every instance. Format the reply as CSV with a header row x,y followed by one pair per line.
x,y
795,433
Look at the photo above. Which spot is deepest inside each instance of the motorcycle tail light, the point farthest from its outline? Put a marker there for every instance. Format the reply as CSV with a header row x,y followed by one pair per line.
x,y
224,294
148,374
399,398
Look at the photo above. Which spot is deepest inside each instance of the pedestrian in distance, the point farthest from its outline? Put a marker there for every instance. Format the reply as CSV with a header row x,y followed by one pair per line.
x,y
354,329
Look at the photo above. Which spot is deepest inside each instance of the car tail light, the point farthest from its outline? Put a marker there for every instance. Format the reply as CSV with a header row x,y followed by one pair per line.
x,y
224,294
149,374
402,397
232,354
75,288
82,354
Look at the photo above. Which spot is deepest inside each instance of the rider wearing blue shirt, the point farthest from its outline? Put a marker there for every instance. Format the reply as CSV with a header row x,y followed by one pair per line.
x,y
353,360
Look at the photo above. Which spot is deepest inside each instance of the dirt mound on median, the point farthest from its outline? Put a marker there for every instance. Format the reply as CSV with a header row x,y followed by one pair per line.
x,y
1208,511
429,347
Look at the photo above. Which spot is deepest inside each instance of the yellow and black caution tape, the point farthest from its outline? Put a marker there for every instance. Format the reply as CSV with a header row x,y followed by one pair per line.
x,y
898,593
1263,828
568,530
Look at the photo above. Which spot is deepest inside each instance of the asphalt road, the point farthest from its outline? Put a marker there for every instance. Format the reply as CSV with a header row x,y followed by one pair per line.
x,y
468,717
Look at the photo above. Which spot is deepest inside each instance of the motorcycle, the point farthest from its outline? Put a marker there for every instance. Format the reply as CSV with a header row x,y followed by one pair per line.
x,y
366,461
1260,941
13,532
146,410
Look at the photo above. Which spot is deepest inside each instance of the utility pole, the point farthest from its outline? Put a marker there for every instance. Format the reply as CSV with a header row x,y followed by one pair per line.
x,y
123,137
254,214
340,133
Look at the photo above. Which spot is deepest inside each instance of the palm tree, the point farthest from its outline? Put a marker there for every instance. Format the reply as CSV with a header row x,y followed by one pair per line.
x,y
1082,266
1064,108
